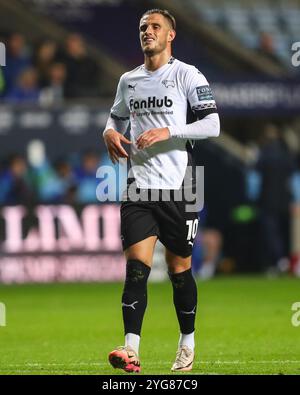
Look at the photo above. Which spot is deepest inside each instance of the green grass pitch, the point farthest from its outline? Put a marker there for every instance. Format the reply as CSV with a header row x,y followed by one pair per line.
x,y
243,327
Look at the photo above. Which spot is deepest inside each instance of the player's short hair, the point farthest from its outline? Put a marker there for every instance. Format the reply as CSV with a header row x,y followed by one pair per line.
x,y
164,13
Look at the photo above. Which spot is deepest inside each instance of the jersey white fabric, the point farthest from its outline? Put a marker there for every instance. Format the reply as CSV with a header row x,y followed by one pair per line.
x,y
162,98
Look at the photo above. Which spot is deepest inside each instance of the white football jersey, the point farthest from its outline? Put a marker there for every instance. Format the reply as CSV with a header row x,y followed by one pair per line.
x,y
157,99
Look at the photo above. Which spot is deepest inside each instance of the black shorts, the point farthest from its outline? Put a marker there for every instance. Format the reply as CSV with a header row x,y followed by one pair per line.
x,y
168,220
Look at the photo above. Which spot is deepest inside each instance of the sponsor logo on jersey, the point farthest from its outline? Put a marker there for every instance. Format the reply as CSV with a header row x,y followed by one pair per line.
x,y
150,102
168,83
204,93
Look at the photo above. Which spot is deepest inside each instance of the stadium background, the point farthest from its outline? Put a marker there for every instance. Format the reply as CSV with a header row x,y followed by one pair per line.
x,y
63,61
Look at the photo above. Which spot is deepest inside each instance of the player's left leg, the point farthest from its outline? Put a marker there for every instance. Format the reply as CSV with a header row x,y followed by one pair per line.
x,y
185,302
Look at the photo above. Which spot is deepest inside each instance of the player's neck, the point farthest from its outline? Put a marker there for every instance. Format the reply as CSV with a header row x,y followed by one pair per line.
x,y
154,62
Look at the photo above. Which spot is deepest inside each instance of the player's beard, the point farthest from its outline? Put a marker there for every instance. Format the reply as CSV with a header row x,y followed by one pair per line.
x,y
154,51
150,52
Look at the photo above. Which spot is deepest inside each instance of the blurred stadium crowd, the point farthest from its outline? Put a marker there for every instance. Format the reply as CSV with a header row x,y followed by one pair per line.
x,y
267,27
68,180
47,72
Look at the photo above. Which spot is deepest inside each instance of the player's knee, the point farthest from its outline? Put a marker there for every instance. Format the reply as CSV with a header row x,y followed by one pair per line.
x,y
135,287
178,264
134,254
137,257
176,269
184,281
137,273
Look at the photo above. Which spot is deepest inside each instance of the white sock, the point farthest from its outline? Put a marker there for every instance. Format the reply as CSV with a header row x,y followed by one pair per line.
x,y
187,340
133,341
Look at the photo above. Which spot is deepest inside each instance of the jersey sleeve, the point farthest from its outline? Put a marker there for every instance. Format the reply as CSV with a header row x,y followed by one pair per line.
x,y
199,94
120,110
119,114
203,106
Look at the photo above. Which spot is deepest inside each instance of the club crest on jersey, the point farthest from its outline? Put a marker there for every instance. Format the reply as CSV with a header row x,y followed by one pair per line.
x,y
168,83
132,87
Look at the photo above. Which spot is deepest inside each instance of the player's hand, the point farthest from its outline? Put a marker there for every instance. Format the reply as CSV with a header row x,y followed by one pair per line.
x,y
113,140
152,136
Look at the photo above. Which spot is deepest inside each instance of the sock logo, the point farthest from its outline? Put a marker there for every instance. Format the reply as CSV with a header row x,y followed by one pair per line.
x,y
189,312
130,305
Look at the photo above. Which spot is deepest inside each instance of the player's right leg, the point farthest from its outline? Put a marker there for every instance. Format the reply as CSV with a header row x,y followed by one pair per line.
x,y
134,302
178,229
185,302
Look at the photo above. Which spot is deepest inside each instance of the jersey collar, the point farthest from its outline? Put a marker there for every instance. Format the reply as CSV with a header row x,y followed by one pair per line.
x,y
160,69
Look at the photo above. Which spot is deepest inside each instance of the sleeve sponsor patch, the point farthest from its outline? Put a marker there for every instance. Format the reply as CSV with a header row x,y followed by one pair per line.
x,y
204,93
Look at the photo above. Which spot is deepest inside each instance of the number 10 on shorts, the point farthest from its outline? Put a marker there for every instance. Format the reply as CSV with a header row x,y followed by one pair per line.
x,y
192,228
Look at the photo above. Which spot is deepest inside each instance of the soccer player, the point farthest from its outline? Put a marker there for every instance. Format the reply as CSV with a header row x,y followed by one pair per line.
x,y
156,99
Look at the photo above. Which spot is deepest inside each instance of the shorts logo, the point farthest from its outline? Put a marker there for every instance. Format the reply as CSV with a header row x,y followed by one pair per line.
x,y
204,93
168,83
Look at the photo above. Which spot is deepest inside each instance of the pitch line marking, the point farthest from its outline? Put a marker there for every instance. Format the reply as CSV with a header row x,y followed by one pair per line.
x,y
218,362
